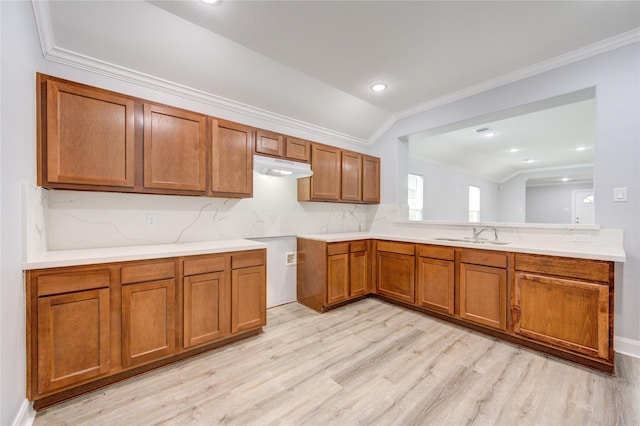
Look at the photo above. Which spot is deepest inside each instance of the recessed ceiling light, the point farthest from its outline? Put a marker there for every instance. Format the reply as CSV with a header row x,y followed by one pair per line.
x,y
565,179
581,148
211,1
529,160
513,150
379,87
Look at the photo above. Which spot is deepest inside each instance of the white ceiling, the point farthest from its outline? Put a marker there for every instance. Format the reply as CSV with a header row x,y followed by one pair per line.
x,y
549,137
310,63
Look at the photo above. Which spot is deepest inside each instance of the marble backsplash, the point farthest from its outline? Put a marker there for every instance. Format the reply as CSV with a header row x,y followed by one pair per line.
x,y
60,220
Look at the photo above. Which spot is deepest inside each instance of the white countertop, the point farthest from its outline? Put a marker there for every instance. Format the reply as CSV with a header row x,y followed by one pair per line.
x,y
58,258
581,250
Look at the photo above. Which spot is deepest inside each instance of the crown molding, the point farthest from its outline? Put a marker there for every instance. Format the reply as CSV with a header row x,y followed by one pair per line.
x,y
548,65
66,57
55,54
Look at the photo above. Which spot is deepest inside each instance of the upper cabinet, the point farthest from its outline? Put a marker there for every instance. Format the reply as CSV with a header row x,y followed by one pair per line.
x,y
231,159
351,180
269,143
297,149
341,176
370,179
286,147
96,140
174,149
85,137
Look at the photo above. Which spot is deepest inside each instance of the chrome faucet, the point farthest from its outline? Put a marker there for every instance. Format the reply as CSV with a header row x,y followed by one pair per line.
x,y
477,232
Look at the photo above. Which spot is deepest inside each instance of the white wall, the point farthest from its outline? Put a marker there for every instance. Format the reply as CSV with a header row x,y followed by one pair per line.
x,y
615,76
552,203
20,59
446,192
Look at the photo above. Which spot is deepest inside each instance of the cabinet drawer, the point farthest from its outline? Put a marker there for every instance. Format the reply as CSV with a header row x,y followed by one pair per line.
x,y
203,265
246,259
573,268
400,248
436,252
483,257
73,281
337,248
358,246
147,272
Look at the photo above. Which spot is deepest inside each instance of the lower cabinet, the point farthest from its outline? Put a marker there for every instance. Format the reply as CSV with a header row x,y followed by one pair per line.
x,y
435,285
148,311
483,288
88,326
564,303
337,273
73,338
557,305
206,300
332,273
395,270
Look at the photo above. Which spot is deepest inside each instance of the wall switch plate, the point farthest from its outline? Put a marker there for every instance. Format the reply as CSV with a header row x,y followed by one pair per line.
x,y
152,220
290,258
619,194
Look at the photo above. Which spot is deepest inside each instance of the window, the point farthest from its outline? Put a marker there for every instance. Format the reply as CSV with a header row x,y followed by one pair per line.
x,y
415,197
474,204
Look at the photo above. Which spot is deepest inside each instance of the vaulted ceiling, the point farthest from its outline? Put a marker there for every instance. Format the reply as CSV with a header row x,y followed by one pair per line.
x,y
310,64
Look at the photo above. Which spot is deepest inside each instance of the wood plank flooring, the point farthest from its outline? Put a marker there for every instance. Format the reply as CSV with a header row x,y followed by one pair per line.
x,y
367,363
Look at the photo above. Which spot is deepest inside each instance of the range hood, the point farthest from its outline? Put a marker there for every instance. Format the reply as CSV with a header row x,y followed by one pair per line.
x,y
279,167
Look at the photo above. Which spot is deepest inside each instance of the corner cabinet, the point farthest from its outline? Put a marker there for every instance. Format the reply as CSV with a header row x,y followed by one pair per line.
x,y
90,326
341,176
331,274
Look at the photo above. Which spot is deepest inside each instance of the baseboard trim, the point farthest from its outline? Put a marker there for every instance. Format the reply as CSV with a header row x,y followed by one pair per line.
x,y
26,415
627,346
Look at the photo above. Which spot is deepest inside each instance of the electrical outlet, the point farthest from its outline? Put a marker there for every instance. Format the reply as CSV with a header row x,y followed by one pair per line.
x,y
152,220
290,258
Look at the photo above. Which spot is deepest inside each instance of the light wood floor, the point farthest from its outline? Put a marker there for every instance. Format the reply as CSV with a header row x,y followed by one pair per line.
x,y
366,363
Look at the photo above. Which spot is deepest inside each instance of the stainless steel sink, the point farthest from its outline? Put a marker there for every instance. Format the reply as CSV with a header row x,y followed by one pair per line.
x,y
473,241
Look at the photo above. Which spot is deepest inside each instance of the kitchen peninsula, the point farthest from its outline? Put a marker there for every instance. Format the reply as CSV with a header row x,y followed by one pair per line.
x,y
551,290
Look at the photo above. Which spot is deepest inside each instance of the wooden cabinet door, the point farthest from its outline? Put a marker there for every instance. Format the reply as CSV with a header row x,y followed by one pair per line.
x,y
206,308
269,143
73,338
436,285
325,163
248,298
395,275
358,273
175,154
483,295
297,149
370,179
563,312
89,137
337,278
148,321
231,159
351,182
